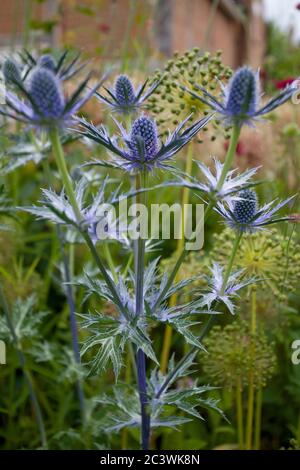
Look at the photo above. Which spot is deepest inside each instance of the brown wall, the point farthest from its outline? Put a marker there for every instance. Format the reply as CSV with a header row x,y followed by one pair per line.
x,y
176,25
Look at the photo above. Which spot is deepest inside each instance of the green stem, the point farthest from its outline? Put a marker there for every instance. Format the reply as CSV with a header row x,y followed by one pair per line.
x,y
231,260
104,273
239,414
227,165
110,261
63,171
230,155
27,376
258,410
167,339
250,414
208,324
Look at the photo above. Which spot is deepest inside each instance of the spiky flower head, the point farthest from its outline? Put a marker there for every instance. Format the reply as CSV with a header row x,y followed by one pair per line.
x,y
209,183
47,61
243,93
123,98
171,103
234,352
245,208
46,92
143,139
245,215
45,104
241,98
124,91
11,72
141,149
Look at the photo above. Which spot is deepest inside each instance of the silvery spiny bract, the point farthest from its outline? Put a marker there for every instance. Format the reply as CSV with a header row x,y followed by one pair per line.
x,y
245,215
141,147
124,98
45,104
171,103
241,98
64,67
232,184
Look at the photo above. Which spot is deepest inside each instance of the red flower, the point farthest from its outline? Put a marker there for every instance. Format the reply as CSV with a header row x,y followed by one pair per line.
x,y
240,148
104,28
281,84
298,6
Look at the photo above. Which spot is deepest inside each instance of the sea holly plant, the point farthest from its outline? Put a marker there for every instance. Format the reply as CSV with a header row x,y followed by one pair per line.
x,y
132,301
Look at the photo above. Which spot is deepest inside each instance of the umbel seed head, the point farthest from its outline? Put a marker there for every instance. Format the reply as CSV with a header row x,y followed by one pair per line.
x,y
47,62
124,91
11,72
45,90
143,137
243,94
245,208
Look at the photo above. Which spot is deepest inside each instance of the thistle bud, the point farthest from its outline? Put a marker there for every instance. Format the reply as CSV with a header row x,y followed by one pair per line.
x,y
45,90
243,93
11,72
144,132
124,91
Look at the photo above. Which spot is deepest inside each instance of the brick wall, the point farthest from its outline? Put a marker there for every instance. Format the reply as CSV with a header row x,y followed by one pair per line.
x,y
102,27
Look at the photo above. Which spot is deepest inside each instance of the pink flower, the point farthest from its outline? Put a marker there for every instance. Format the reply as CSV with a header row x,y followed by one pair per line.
x,y
281,84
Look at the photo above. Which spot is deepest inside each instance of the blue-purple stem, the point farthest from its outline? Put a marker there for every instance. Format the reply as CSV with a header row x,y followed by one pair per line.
x,y
73,323
139,310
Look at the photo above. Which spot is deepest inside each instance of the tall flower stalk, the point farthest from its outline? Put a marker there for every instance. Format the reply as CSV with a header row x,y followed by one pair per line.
x,y
141,182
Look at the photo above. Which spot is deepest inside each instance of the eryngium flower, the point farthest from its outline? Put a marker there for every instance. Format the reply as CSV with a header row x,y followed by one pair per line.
x,y
123,98
224,294
233,183
11,72
64,68
241,98
141,147
45,104
245,215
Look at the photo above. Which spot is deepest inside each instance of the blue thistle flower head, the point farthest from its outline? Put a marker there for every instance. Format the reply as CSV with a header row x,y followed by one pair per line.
x,y
246,207
141,148
46,92
242,96
124,91
11,72
45,104
47,61
123,98
143,139
245,215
